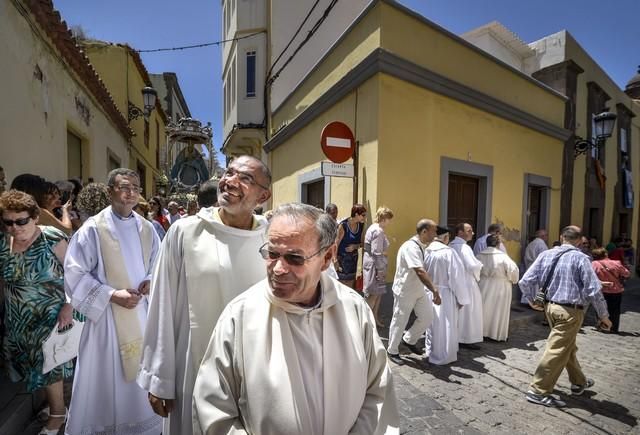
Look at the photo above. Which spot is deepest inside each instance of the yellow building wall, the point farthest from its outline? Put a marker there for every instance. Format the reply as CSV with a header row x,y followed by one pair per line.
x,y
37,114
420,126
593,73
413,40
302,152
118,70
359,43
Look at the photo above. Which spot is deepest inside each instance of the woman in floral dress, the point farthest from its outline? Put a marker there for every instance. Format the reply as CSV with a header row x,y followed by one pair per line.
x,y
31,260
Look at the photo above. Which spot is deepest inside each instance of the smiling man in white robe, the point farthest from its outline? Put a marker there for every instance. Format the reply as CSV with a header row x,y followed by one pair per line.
x,y
447,273
205,261
470,315
298,353
107,271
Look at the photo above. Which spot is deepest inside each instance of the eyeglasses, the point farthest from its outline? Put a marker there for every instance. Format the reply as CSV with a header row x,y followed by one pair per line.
x,y
19,222
129,189
292,259
244,177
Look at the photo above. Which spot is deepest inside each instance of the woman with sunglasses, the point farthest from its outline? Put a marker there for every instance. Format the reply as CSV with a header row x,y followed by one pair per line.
x,y
31,258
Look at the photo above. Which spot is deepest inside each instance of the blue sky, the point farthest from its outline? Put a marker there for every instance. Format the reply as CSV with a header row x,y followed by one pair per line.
x,y
606,30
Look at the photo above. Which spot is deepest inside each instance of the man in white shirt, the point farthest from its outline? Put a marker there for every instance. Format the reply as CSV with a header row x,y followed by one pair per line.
x,y
536,247
481,242
107,271
205,262
409,292
297,353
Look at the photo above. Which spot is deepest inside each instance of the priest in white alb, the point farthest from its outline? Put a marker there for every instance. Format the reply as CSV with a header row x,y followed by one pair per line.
x,y
298,353
470,315
107,271
447,273
499,273
206,260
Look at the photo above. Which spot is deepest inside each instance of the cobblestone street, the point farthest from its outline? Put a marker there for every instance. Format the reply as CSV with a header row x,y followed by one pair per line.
x,y
483,392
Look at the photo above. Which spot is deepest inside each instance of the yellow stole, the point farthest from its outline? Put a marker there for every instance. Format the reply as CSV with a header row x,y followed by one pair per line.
x,y
128,327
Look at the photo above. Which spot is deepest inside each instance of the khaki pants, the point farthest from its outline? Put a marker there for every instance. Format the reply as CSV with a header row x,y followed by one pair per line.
x,y
561,349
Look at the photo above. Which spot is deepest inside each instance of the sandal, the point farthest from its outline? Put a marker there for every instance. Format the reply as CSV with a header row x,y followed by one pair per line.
x,y
45,431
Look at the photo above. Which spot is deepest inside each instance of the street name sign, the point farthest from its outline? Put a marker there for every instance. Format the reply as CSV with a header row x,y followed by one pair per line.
x,y
330,169
337,142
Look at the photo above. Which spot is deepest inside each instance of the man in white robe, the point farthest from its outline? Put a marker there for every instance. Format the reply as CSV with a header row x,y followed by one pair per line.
x,y
297,353
205,261
107,271
470,315
409,292
481,242
499,273
447,273
536,247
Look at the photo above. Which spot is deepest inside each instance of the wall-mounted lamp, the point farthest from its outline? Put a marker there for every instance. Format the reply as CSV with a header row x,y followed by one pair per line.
x,y
149,96
603,124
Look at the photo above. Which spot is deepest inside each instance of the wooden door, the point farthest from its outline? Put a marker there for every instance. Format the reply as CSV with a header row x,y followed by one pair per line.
x,y
534,211
462,203
314,194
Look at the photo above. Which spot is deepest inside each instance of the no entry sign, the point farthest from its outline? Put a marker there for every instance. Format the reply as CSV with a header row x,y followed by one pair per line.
x,y
337,142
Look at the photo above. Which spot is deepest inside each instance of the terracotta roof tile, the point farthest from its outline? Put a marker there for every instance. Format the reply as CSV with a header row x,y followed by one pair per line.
x,y
57,30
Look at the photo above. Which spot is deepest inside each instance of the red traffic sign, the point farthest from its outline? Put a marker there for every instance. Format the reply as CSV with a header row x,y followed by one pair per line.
x,y
337,142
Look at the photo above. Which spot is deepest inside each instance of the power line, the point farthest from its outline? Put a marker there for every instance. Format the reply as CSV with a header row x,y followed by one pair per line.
x,y
206,44
310,33
292,38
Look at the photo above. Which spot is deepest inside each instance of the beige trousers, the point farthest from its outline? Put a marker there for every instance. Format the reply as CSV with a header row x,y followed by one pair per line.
x,y
561,349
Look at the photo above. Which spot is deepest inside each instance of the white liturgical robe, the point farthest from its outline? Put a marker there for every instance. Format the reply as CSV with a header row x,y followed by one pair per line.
x,y
498,274
470,315
103,402
203,264
447,273
261,376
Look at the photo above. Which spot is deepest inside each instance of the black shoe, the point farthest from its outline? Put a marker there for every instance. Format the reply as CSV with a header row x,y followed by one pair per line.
x,y
412,347
395,358
469,346
545,400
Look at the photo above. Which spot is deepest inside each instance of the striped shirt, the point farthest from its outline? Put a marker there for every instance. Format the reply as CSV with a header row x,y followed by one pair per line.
x,y
573,282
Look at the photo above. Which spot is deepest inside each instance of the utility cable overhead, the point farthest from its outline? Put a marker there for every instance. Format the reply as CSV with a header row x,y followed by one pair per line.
x,y
304,21
311,32
206,44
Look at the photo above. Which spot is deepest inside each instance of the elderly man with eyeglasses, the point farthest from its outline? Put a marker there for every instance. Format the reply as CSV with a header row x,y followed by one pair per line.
x,y
205,261
297,353
107,272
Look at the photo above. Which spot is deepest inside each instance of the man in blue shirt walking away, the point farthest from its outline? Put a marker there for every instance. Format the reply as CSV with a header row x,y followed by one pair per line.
x,y
572,285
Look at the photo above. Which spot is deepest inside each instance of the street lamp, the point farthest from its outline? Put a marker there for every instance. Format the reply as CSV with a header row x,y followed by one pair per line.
x,y
603,126
149,96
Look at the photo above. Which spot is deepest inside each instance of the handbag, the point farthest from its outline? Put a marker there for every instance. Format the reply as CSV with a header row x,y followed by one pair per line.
x,y
60,347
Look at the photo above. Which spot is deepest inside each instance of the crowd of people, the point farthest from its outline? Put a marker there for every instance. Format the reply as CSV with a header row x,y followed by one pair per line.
x,y
212,318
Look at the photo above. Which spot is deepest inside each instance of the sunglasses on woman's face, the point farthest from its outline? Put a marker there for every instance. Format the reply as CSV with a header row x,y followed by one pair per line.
x,y
19,222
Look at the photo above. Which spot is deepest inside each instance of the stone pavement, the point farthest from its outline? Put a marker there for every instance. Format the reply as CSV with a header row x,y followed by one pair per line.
x,y
483,392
